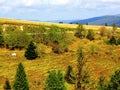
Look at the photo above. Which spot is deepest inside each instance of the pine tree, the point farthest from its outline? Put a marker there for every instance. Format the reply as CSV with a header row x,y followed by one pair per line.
x,y
7,85
55,81
82,76
31,53
21,82
69,76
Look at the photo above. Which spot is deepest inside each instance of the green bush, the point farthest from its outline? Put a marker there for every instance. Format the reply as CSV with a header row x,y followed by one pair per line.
x,y
69,76
80,33
90,35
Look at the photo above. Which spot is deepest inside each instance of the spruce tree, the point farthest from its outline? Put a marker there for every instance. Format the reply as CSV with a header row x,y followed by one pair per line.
x,y
21,82
7,85
55,81
31,53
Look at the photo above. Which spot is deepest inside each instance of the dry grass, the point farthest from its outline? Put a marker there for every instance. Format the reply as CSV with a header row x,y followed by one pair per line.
x,y
105,60
37,70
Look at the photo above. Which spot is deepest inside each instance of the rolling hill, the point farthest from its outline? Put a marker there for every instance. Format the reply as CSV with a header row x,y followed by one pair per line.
x,y
101,20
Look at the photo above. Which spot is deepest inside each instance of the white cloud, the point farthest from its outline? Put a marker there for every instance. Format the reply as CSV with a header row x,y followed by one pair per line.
x,y
116,1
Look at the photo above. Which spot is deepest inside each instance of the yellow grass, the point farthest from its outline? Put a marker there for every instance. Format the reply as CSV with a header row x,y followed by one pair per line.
x,y
105,62
37,70
25,22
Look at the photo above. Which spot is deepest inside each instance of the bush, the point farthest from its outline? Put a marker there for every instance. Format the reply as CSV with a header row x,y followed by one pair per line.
x,y
102,31
113,41
17,39
31,52
69,76
90,35
80,33
7,85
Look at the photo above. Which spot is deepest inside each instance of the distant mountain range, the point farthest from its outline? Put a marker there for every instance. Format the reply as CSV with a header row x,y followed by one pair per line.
x,y
101,20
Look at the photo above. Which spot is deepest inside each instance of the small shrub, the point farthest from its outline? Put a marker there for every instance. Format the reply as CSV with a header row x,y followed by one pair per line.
x,y
7,85
113,41
102,31
69,76
80,33
90,35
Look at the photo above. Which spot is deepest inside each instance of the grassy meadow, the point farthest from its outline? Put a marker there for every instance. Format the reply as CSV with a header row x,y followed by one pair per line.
x,y
104,61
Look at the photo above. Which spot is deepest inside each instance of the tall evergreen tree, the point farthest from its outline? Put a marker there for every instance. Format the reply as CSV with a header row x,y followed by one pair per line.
x,y
21,82
55,81
31,53
7,85
82,76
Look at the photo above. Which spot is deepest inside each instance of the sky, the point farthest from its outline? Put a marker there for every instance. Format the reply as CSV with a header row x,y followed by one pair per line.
x,y
46,10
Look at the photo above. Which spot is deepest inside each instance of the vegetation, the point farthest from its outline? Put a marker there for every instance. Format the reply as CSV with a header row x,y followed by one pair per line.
x,y
81,76
80,31
69,76
55,81
7,85
1,36
90,35
31,52
21,82
60,39
17,39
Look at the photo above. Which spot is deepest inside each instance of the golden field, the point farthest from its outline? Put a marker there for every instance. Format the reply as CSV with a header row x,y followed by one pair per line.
x,y
104,62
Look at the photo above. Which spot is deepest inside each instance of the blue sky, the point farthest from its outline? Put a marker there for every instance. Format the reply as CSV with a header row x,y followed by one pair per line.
x,y
46,10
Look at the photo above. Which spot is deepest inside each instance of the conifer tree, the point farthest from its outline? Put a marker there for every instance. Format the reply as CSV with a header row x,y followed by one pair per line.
x,y
21,82
31,53
1,37
81,76
55,81
7,85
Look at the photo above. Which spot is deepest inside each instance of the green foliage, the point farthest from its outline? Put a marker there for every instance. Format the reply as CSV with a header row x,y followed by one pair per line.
x,y
113,41
21,82
114,83
7,85
101,84
80,31
90,35
82,76
55,81
31,52
69,76
1,36
114,28
17,39
60,47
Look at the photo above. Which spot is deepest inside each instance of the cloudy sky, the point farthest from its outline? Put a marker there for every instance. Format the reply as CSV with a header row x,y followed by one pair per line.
x,y
46,10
